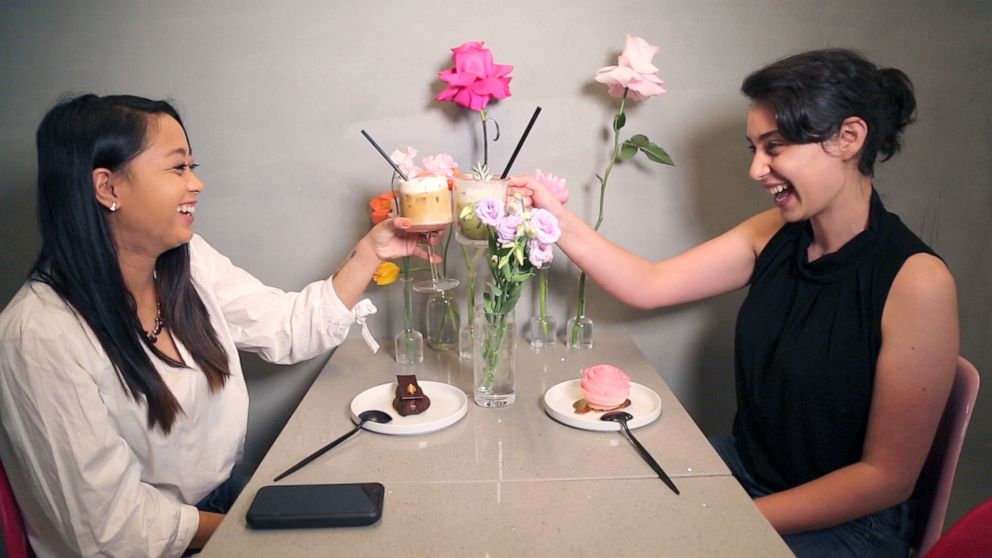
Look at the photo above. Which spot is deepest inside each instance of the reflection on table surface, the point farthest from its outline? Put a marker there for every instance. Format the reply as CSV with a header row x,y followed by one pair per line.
x,y
509,481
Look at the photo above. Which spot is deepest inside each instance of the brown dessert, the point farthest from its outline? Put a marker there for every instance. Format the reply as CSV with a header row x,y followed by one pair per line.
x,y
410,399
582,407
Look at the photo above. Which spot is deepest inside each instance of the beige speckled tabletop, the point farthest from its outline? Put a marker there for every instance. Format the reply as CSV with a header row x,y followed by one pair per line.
x,y
510,481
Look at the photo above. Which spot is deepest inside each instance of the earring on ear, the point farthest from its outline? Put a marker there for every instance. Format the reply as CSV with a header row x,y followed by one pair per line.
x,y
113,206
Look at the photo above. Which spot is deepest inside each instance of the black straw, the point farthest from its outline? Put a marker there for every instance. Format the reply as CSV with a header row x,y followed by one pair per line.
x,y
390,161
520,143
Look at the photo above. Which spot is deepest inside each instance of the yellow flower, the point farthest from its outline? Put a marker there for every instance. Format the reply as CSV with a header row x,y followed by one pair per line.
x,y
386,273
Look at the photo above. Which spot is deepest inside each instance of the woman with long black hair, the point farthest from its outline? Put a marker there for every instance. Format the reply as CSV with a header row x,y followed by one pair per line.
x,y
122,399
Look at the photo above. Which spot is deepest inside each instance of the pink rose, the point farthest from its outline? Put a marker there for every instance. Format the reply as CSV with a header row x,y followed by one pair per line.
x,y
441,164
474,79
544,225
539,254
489,211
634,71
556,185
405,160
506,228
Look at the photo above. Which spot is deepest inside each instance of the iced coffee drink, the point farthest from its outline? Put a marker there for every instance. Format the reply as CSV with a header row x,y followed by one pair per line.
x,y
426,201
468,193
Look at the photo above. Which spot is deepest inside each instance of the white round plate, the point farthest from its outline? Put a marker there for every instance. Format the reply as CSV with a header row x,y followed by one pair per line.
x,y
645,406
448,406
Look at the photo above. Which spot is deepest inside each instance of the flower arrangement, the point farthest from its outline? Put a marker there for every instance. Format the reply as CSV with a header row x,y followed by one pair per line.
x,y
472,82
634,77
520,240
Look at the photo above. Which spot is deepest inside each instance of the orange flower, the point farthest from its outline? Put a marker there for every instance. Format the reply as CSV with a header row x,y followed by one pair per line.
x,y
382,206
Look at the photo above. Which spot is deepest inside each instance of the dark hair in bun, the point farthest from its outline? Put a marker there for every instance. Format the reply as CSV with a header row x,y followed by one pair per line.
x,y
811,94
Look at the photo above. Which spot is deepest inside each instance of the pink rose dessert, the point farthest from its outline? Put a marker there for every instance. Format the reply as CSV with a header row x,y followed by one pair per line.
x,y
604,387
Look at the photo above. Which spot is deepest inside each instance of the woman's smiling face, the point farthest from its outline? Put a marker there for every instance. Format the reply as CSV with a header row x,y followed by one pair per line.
x,y
802,178
156,192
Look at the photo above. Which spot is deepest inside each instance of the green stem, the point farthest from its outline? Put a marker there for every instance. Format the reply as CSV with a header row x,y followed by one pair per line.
x,y
408,341
543,278
447,241
491,347
485,139
580,309
470,266
407,296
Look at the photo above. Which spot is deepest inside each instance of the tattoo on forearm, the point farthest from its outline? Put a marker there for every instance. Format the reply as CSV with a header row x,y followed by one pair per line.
x,y
351,255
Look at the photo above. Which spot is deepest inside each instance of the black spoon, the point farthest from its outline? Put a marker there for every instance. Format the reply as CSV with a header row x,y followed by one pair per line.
x,y
365,416
622,418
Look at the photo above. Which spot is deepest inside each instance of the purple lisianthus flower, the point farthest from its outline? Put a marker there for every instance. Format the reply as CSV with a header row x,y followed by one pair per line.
x,y
489,211
506,228
539,253
545,226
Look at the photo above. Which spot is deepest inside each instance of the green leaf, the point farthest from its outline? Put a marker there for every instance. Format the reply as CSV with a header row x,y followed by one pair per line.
x,y
619,121
627,150
640,140
657,154
653,151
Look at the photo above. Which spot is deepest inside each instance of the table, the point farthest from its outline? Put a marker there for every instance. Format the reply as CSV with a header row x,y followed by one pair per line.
x,y
509,481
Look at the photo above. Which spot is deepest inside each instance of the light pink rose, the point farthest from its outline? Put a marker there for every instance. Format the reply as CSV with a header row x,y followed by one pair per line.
x,y
489,211
634,71
539,253
544,225
506,228
441,164
554,184
406,161
474,79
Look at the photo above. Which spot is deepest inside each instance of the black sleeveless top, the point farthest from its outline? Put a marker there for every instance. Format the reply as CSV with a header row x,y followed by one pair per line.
x,y
808,337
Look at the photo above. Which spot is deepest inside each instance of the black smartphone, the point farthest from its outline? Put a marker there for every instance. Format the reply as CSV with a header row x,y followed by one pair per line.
x,y
316,505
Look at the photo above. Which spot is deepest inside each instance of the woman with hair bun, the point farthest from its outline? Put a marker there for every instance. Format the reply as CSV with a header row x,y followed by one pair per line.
x,y
847,342
122,401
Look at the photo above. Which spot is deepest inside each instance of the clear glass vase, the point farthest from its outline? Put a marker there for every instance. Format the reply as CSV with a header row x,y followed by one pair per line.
x,y
543,331
409,347
465,341
578,332
441,321
409,342
543,328
493,358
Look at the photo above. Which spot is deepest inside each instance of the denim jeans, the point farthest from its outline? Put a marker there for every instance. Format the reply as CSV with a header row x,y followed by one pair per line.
x,y
881,534
223,497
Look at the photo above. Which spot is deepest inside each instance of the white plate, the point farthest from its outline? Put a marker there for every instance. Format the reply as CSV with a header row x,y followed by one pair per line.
x,y
448,406
645,406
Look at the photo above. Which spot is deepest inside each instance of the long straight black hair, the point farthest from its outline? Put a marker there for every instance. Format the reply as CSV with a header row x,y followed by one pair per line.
x,y
78,257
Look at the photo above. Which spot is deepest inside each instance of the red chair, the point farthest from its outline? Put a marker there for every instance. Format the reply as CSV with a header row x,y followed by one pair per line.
x,y
970,537
14,535
933,489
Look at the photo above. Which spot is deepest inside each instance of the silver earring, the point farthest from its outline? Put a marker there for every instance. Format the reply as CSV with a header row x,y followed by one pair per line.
x,y
113,206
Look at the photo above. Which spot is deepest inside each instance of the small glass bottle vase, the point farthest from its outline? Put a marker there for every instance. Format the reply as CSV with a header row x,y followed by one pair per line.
x,y
543,331
493,358
578,333
409,343
441,321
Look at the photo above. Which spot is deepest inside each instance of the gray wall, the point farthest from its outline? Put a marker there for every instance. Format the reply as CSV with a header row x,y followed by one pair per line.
x,y
274,96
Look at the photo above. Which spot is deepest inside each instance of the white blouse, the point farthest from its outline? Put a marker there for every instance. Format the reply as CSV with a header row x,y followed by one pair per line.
x,y
89,475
